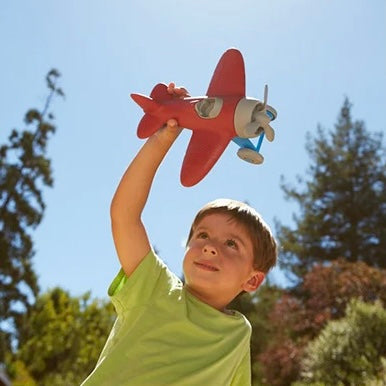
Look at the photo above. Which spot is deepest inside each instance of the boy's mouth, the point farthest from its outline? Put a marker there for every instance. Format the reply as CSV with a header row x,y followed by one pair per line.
x,y
206,266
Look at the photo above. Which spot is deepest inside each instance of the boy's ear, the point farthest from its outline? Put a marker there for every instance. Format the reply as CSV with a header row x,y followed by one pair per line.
x,y
254,282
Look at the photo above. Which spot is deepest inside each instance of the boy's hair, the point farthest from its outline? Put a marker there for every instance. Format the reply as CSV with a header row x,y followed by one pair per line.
x,y
264,244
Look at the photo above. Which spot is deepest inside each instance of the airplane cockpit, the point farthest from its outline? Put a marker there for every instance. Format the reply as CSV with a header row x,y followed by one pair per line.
x,y
209,108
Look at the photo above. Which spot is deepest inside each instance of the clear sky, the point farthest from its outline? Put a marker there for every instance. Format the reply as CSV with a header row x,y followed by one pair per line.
x,y
311,54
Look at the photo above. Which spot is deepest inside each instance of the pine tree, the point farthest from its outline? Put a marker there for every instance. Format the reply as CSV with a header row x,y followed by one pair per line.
x,y
342,203
24,171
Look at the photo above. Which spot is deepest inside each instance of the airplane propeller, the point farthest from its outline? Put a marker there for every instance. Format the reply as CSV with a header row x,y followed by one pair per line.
x,y
260,120
265,95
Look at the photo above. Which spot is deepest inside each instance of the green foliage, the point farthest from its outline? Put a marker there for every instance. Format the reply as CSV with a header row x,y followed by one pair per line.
x,y
24,169
21,376
342,203
350,351
299,314
61,338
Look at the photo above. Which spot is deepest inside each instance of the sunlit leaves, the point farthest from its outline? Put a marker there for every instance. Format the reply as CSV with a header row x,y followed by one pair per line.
x,y
61,337
351,350
301,313
25,170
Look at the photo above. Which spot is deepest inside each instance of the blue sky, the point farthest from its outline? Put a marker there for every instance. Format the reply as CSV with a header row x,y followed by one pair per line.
x,y
311,54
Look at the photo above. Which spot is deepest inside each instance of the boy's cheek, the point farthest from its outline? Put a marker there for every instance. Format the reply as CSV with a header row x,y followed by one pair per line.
x,y
185,262
191,248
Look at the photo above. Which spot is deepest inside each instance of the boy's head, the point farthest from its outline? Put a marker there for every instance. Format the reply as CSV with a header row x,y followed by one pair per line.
x,y
231,240
264,244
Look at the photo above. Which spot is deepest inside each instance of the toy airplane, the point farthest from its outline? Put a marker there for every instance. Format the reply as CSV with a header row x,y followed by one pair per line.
x,y
223,115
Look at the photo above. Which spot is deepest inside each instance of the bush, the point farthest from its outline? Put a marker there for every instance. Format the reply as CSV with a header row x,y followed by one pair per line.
x,y
349,351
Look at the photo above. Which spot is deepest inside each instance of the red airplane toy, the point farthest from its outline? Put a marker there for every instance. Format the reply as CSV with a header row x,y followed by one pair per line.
x,y
223,115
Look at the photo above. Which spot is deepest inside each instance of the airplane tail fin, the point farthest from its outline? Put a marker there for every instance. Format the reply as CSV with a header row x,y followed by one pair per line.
x,y
148,126
160,93
148,104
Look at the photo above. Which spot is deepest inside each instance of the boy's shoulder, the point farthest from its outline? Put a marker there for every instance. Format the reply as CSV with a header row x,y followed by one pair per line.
x,y
151,278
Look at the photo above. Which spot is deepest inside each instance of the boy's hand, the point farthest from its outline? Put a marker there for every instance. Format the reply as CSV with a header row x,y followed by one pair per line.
x,y
172,126
171,130
177,92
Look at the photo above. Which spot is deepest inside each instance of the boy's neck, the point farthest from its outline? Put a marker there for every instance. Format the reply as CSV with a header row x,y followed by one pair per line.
x,y
209,300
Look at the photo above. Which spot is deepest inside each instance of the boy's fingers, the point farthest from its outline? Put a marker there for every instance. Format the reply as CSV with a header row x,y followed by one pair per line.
x,y
172,127
179,92
171,88
182,92
172,123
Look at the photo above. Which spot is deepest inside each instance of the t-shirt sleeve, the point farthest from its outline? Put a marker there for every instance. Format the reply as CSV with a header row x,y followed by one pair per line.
x,y
151,278
242,376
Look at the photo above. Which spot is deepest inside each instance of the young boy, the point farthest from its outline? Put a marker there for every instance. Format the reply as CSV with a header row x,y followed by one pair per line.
x,y
167,332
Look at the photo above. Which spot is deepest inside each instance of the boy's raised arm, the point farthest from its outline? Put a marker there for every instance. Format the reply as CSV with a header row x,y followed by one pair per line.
x,y
129,234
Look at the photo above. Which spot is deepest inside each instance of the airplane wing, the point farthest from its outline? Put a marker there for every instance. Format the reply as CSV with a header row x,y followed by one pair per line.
x,y
160,93
229,76
205,148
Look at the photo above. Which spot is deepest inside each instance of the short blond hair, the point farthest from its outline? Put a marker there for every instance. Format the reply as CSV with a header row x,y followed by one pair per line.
x,y
264,244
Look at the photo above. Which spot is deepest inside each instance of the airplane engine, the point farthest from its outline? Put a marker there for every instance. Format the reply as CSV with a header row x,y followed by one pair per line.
x,y
252,118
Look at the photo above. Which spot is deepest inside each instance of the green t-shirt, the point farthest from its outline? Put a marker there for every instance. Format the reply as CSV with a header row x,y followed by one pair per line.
x,y
163,335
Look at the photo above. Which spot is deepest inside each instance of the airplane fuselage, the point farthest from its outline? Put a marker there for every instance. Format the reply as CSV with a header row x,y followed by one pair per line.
x,y
185,112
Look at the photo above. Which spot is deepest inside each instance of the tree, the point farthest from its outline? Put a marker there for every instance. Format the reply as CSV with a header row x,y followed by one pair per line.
x,y
302,312
24,170
61,339
342,203
349,351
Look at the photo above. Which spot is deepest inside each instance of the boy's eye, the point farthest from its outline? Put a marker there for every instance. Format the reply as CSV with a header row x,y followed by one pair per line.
x,y
231,243
202,235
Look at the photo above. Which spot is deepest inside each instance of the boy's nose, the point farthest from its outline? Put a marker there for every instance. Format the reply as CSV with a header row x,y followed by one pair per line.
x,y
210,250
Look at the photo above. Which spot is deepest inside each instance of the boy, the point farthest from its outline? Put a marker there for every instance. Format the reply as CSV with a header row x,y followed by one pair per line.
x,y
167,332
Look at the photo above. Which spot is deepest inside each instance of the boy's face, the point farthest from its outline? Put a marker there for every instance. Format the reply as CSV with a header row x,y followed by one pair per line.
x,y
218,263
